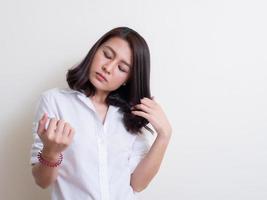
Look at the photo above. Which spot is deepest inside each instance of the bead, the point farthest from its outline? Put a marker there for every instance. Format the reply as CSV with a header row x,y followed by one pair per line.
x,y
48,163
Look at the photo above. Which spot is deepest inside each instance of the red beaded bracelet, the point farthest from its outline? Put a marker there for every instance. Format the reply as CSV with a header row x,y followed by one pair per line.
x,y
48,163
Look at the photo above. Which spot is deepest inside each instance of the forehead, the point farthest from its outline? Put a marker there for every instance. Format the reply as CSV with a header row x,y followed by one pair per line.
x,y
121,47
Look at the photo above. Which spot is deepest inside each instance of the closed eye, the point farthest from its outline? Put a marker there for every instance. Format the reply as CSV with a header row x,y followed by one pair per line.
x,y
109,57
106,55
121,69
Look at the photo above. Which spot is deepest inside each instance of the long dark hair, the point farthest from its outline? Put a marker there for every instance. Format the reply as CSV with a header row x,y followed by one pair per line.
x,y
138,84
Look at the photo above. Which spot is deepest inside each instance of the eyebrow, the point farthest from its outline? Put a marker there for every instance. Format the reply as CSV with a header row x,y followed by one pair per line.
x,y
113,51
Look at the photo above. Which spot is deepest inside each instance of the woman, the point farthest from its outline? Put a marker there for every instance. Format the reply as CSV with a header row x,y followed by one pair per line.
x,y
89,138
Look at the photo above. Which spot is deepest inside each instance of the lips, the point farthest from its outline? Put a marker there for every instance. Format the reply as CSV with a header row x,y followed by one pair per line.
x,y
102,76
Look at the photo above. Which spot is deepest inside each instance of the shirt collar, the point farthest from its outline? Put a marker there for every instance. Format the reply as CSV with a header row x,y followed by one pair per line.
x,y
69,90
85,99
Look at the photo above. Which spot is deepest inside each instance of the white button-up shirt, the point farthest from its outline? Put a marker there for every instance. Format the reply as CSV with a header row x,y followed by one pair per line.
x,y
97,165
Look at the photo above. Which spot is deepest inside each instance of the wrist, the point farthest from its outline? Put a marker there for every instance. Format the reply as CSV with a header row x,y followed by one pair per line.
x,y
164,136
50,160
49,155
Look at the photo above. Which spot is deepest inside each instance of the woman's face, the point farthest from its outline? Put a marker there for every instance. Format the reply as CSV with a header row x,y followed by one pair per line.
x,y
111,65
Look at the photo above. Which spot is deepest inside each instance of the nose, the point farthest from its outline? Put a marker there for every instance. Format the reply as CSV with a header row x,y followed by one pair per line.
x,y
107,68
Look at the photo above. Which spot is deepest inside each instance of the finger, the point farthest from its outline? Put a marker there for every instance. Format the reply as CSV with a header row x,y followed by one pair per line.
x,y
148,102
69,136
141,114
66,129
41,124
143,107
52,126
71,133
60,126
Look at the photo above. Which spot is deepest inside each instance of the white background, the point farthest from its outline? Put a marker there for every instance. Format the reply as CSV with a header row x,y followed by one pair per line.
x,y
208,71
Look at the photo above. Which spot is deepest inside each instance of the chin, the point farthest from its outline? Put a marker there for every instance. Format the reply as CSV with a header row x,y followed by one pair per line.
x,y
98,85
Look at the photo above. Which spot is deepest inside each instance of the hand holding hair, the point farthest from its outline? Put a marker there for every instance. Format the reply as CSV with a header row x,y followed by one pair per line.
x,y
152,111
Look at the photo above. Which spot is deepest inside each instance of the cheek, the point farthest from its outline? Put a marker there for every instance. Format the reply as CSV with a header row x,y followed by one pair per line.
x,y
97,61
121,78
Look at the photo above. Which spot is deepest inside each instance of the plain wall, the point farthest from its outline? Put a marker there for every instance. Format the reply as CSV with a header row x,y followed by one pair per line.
x,y
208,71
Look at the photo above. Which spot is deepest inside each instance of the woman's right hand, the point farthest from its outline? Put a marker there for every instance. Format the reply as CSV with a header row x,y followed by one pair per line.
x,y
56,138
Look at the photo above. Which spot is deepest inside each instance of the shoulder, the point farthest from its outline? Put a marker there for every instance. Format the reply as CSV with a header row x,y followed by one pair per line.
x,y
54,97
57,99
50,92
58,92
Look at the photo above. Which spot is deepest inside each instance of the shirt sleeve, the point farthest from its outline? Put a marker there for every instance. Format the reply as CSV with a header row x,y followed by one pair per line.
x,y
42,106
140,148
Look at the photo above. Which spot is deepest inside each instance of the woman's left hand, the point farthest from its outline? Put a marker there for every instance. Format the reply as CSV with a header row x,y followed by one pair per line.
x,y
152,111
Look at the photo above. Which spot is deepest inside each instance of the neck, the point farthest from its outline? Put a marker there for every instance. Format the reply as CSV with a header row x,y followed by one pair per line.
x,y
99,97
